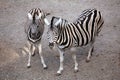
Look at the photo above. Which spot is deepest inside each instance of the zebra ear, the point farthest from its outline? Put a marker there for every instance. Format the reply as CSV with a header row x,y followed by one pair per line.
x,y
47,14
30,16
58,22
46,21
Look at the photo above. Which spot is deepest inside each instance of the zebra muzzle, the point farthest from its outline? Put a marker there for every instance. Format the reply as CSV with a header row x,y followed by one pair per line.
x,y
51,45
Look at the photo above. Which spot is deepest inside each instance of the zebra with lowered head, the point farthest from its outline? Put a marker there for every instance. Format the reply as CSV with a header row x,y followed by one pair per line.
x,y
68,35
34,30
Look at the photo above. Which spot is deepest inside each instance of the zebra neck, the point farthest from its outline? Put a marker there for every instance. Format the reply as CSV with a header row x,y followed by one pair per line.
x,y
64,37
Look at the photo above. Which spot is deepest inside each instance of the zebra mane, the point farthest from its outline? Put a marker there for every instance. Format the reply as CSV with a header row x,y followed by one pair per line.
x,y
51,25
53,22
34,17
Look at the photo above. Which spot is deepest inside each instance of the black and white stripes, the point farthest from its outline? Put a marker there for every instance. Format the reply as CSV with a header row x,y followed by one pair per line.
x,y
78,33
34,30
63,34
74,34
37,20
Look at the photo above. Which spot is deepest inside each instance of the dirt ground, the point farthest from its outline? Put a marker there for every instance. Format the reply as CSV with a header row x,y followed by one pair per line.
x,y
105,62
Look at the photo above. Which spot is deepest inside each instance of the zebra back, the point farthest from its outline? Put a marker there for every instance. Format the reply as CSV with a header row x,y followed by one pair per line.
x,y
81,32
87,14
90,23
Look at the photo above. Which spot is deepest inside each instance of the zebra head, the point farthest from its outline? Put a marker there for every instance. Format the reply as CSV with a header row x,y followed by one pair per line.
x,y
35,27
54,30
36,21
35,30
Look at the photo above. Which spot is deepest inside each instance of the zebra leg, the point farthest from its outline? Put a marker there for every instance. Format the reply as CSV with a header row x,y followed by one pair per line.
x,y
90,51
29,58
33,50
41,56
61,62
75,61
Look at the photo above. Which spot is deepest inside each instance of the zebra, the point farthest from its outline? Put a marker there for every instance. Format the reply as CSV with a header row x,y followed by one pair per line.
x,y
36,19
69,35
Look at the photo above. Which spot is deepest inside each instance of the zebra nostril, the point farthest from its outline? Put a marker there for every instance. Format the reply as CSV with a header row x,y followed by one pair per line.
x,y
51,45
33,34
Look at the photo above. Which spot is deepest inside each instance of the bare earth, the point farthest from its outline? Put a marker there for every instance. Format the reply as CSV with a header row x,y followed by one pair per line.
x,y
105,62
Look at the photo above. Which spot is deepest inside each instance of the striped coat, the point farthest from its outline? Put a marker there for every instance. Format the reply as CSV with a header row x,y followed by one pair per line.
x,y
68,35
82,31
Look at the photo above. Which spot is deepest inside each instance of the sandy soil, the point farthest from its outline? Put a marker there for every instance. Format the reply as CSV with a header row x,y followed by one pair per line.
x,y
104,65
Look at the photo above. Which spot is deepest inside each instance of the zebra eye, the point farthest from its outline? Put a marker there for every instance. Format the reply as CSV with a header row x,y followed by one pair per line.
x,y
37,26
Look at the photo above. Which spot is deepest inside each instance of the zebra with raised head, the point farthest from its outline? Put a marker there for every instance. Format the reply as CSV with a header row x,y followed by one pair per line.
x,y
68,35
34,30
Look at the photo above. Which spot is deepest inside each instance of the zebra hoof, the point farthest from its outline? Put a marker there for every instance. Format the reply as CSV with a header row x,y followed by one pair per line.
x,y
45,67
75,71
33,54
58,74
29,66
87,60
